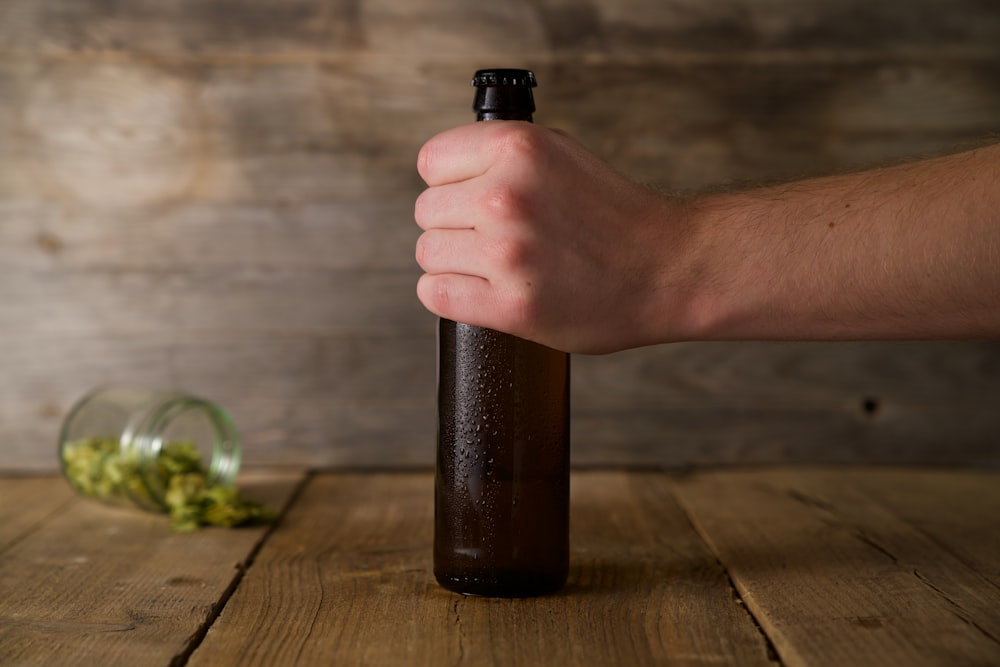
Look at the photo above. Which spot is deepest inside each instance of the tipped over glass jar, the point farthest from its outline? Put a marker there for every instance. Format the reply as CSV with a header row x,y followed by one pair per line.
x,y
159,450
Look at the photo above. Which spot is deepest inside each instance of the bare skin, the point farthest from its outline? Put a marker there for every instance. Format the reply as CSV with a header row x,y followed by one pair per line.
x,y
527,232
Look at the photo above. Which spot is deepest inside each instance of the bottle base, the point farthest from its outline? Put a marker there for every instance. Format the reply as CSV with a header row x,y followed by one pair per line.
x,y
501,584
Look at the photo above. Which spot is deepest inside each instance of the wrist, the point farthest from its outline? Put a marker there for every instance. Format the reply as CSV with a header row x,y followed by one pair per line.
x,y
692,295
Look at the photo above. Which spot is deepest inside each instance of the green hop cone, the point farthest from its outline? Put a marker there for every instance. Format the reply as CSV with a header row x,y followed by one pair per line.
x,y
96,468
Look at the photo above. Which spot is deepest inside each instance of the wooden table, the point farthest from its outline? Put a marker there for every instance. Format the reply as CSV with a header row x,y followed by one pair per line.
x,y
743,567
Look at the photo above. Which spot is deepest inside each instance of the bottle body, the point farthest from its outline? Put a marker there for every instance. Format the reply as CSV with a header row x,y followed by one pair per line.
x,y
502,471
502,477
125,445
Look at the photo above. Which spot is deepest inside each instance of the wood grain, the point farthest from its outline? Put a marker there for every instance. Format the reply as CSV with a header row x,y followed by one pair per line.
x,y
347,580
550,26
835,577
973,538
779,566
99,585
221,200
25,504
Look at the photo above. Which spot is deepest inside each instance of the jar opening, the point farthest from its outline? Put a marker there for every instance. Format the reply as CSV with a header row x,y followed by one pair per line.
x,y
187,434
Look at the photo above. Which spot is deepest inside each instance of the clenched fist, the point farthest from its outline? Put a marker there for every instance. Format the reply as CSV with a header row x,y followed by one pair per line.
x,y
527,232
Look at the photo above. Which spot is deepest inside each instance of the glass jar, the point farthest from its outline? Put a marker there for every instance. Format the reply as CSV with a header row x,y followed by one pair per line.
x,y
127,446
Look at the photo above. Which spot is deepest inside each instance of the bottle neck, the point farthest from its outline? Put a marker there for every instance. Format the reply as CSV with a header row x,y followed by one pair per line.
x,y
503,115
503,102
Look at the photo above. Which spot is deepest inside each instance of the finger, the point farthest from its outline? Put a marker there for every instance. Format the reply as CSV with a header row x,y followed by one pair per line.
x,y
453,155
446,207
464,152
466,299
451,251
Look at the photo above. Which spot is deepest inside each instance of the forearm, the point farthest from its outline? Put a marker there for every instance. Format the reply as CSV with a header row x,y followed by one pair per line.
x,y
905,252
527,232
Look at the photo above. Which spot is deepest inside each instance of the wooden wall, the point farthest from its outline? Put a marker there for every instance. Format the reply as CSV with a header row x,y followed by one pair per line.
x,y
217,195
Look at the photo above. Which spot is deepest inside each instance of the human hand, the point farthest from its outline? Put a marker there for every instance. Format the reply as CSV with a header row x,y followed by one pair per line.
x,y
528,233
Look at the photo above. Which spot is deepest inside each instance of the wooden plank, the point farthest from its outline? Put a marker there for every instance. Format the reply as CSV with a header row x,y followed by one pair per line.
x,y
355,368
324,430
677,125
532,27
354,400
812,375
268,27
92,304
691,403
836,578
295,134
97,585
347,580
930,500
321,432
314,431
967,502
810,26
301,132
720,434
346,573
332,235
26,503
637,563
306,133
370,399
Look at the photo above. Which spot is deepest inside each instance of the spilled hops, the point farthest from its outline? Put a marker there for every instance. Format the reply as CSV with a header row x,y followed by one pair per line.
x,y
175,482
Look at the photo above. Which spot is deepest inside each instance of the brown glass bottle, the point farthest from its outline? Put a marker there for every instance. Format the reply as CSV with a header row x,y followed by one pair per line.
x,y
501,495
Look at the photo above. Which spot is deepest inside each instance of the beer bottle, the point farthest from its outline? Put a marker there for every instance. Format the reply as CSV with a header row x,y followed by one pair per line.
x,y
501,495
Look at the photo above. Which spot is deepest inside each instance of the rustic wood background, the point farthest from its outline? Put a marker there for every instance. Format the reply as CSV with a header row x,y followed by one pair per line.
x,y
217,195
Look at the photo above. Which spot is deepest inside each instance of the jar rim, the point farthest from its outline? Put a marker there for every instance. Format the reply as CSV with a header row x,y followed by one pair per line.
x,y
225,458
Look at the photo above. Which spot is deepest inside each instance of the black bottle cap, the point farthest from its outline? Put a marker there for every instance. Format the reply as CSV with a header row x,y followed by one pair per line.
x,y
504,77
504,94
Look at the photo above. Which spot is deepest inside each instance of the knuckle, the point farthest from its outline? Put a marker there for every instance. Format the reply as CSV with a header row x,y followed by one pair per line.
x,y
506,202
522,309
513,254
519,141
